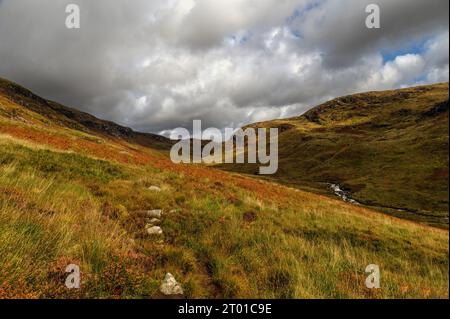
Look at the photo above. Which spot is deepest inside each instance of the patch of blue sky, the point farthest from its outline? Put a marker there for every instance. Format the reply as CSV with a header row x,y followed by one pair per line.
x,y
417,47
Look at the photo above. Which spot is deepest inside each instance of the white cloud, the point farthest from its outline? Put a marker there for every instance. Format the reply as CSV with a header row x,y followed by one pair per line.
x,y
157,65
403,69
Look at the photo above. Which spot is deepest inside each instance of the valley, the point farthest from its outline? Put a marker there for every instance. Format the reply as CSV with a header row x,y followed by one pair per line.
x,y
78,190
386,150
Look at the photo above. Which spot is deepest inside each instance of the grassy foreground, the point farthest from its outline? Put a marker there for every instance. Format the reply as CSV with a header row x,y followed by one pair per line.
x,y
70,196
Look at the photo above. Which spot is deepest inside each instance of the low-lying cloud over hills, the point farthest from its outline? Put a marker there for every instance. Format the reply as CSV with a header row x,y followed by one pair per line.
x,y
156,65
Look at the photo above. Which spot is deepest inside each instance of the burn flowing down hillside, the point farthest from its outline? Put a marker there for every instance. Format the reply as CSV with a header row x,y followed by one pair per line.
x,y
387,150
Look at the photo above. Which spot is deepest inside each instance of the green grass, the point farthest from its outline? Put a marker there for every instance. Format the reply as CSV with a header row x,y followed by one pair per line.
x,y
64,165
225,236
229,243
46,224
380,146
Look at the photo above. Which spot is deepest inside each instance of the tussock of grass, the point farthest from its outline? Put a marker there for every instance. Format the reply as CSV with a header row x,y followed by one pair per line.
x,y
43,221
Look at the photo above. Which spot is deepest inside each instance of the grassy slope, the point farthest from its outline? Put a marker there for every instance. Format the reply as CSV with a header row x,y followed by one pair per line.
x,y
386,148
67,117
71,196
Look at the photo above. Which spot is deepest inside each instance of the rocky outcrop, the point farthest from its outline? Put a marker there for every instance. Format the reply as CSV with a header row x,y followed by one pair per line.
x,y
437,109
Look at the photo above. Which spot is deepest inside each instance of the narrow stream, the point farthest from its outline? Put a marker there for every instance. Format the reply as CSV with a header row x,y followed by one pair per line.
x,y
345,196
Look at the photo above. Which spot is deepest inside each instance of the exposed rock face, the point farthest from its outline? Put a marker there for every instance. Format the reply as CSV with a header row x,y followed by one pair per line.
x,y
313,116
170,287
437,109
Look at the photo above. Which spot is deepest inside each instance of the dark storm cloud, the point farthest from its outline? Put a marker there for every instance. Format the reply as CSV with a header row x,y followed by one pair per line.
x,y
337,27
157,65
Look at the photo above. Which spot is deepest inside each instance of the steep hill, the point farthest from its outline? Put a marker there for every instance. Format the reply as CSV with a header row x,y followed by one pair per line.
x,y
63,116
71,193
387,150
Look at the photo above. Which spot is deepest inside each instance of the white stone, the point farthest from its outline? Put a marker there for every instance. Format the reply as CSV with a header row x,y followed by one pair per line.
x,y
153,230
157,213
154,189
170,286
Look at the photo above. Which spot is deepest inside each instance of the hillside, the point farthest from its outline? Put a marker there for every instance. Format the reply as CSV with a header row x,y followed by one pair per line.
x,y
54,113
72,192
386,150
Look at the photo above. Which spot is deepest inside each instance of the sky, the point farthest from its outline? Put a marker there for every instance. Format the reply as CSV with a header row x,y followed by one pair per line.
x,y
156,65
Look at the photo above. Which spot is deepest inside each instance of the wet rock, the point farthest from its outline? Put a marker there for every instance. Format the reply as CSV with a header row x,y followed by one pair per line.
x,y
170,287
345,196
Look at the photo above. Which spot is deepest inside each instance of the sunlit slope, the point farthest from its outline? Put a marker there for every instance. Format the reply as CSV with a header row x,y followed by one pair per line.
x,y
388,149
77,196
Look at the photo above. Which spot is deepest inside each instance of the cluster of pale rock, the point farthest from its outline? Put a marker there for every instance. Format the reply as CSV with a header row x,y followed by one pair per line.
x,y
153,218
169,287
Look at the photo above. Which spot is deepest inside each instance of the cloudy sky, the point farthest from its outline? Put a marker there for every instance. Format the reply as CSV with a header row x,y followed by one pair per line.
x,y
155,65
